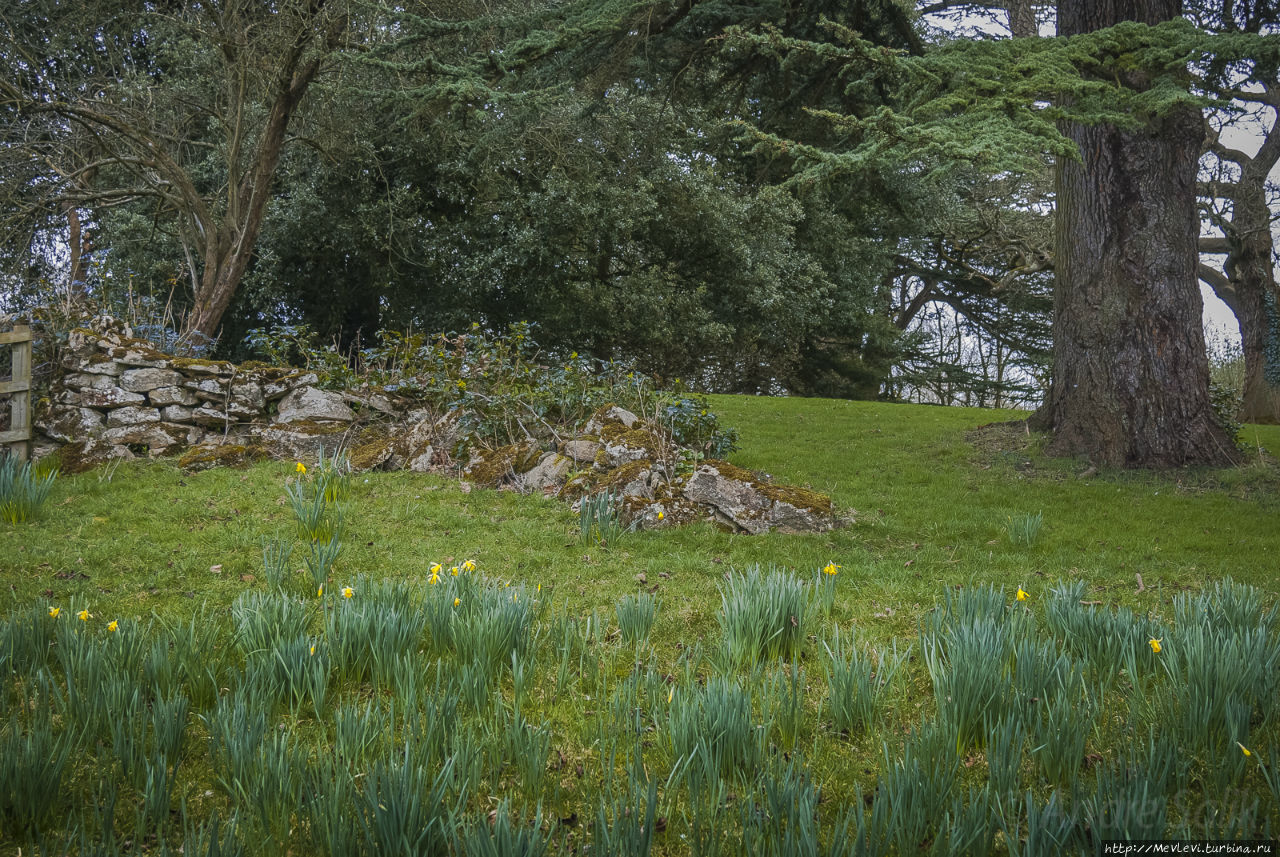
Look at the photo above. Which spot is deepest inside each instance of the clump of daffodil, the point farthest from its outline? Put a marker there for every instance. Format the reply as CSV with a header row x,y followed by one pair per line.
x,y
831,568
113,625
347,592
54,611
1022,595
1155,645
84,615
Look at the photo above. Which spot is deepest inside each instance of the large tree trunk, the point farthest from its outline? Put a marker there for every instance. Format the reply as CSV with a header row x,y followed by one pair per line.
x,y
1130,377
1259,317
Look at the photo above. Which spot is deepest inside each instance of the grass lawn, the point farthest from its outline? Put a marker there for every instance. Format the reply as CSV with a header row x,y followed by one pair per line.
x,y
1001,720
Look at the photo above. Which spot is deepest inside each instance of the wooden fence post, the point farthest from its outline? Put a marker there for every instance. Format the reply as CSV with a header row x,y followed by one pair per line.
x,y
19,388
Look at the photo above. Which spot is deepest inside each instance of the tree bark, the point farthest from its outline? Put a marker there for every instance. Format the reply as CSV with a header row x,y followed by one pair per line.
x,y
1022,19
1130,377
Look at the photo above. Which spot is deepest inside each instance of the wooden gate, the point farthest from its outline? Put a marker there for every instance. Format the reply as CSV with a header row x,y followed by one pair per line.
x,y
18,388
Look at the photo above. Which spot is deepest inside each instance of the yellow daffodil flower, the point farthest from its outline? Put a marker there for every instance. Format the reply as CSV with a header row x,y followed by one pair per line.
x,y
434,578
539,587
1243,749
313,650
113,626
347,592
515,596
457,601
320,592
1155,645
84,615
671,694
435,568
469,565
54,611
660,516
1022,595
831,568
300,467
454,571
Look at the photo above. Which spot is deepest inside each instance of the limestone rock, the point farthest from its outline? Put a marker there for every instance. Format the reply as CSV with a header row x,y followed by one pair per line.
x,y
550,471
195,366
312,403
738,500
581,449
300,439
162,396
157,437
422,460
132,415
208,455
214,414
176,413
70,424
275,386
145,380
609,414
110,397
247,396
209,389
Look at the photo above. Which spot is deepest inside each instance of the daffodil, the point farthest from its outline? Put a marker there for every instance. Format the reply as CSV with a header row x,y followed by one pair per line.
x,y
435,568
671,693
1022,594
313,648
1155,645
515,596
300,467
457,601
320,591
831,568
469,565
454,571
54,611
113,626
435,575
539,587
1243,749
661,516
347,592
84,615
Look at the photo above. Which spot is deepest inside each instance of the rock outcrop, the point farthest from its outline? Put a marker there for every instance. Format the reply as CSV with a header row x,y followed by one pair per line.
x,y
120,398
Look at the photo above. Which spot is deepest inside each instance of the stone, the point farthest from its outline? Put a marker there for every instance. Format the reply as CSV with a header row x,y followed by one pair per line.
x,y
139,354
132,415
494,467
100,364
176,414
81,380
422,460
214,414
312,403
70,424
145,380
550,472
209,389
581,449
299,440
248,396
737,500
197,366
609,414
157,437
207,455
375,401
110,397
274,388
161,396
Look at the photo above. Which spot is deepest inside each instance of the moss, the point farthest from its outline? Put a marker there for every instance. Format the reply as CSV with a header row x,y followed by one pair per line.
x,y
496,466
314,428
195,363
801,498
626,473
98,358
371,452
224,455
72,458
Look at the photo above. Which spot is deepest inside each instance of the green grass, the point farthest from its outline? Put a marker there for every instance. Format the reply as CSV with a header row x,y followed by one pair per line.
x,y
931,500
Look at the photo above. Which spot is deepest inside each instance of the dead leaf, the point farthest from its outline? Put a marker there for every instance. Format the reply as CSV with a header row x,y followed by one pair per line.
x,y
1141,586
909,563
642,578
247,578
215,569
664,575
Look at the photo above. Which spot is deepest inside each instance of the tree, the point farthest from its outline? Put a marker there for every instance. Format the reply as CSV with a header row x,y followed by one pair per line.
x,y
1130,383
187,107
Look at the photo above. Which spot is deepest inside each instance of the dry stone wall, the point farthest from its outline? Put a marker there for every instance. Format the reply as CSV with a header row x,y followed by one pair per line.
x,y
121,398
